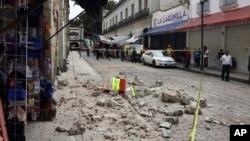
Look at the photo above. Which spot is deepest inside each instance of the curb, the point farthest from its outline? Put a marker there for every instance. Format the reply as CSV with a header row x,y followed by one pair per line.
x,y
215,75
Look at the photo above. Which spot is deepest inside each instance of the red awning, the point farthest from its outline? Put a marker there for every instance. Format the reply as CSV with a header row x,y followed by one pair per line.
x,y
235,16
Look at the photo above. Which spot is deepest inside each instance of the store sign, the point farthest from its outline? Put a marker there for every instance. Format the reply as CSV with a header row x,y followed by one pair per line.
x,y
169,18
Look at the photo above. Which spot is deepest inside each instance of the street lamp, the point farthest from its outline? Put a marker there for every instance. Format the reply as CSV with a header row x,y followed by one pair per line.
x,y
202,58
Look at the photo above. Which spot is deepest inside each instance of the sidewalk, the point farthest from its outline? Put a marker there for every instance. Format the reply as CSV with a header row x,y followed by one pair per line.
x,y
236,76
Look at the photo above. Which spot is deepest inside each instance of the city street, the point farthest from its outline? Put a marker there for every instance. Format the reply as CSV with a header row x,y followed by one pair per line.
x,y
140,118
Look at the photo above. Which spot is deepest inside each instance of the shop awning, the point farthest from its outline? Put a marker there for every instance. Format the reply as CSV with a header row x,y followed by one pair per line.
x,y
235,16
165,28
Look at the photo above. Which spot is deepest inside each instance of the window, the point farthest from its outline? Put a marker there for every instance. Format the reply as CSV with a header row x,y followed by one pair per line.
x,y
115,19
139,5
126,13
121,16
132,9
227,2
205,7
145,3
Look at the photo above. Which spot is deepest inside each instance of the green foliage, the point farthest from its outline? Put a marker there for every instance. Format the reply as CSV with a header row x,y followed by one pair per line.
x,y
90,23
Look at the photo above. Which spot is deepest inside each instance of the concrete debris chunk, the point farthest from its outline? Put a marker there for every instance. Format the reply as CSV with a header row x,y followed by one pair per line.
x,y
61,129
209,119
165,133
96,93
203,102
166,125
137,82
101,102
186,99
111,103
172,120
169,97
76,130
63,82
158,83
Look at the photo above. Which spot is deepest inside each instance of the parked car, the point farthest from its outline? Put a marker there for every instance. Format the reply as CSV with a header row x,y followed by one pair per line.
x,y
157,58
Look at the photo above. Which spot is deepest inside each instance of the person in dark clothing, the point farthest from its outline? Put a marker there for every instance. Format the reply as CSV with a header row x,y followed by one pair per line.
x,y
187,58
134,56
87,52
122,55
97,53
220,54
197,58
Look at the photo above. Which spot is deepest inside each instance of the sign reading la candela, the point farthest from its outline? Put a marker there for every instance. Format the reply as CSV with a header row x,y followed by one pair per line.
x,y
168,18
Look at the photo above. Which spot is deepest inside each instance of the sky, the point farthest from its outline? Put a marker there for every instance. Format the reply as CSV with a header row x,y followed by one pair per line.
x,y
74,10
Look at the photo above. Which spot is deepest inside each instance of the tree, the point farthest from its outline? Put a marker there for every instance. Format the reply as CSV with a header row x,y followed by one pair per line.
x,y
90,23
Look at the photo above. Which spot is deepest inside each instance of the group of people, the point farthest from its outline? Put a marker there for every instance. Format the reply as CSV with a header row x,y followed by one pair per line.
x,y
225,61
197,58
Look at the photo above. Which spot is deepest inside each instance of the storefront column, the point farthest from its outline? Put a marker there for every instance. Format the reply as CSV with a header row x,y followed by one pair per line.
x,y
223,38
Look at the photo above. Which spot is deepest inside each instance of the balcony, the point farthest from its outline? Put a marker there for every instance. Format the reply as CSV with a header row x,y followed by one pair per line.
x,y
112,27
138,15
126,21
228,4
141,14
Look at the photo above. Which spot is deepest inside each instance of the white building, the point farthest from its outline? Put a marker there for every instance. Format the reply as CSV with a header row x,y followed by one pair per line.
x,y
133,17
226,26
163,22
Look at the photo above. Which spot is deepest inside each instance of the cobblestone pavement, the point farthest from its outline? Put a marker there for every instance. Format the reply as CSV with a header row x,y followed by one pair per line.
x,y
228,104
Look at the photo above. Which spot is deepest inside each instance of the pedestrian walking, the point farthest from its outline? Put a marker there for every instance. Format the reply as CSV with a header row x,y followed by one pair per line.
x,y
134,56
122,55
79,51
206,52
188,57
87,52
197,58
217,59
226,61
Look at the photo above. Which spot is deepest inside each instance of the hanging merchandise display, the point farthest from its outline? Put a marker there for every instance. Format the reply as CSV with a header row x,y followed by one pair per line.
x,y
26,83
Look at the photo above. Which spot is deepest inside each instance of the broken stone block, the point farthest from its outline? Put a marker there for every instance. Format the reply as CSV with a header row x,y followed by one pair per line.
x,y
145,114
203,102
158,83
191,110
61,129
172,120
111,103
76,130
165,133
165,125
96,93
156,94
101,102
137,82
178,113
169,97
209,119
186,99
148,92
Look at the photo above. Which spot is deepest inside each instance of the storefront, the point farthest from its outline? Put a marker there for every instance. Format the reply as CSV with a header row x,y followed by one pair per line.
x,y
227,30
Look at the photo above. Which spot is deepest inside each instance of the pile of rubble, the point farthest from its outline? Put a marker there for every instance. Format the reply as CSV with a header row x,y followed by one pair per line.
x,y
132,115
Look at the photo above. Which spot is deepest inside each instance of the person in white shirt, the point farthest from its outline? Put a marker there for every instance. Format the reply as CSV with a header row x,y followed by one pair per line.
x,y
205,57
226,61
